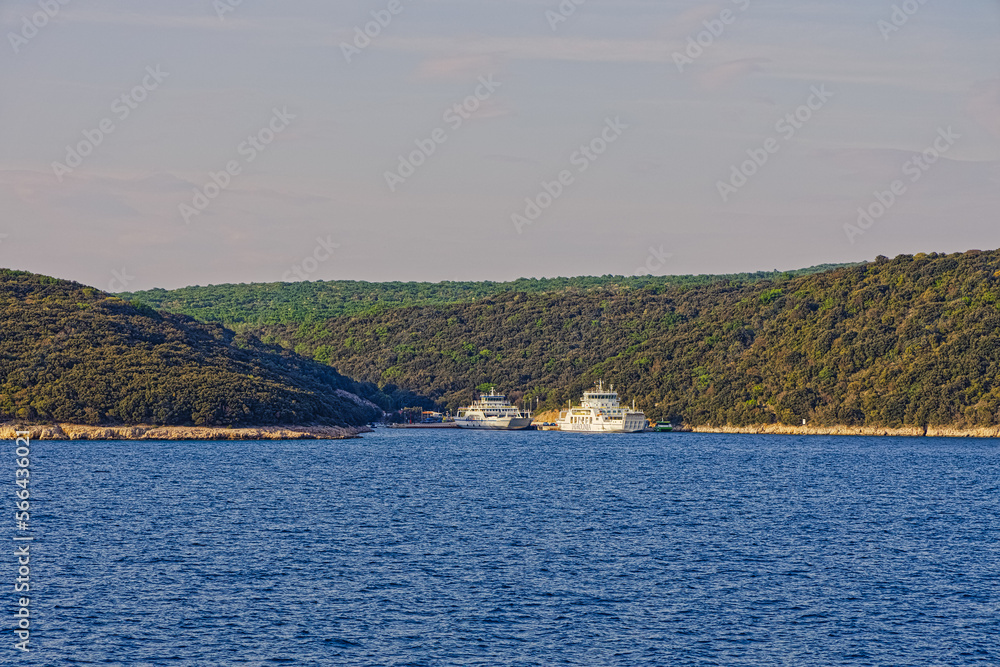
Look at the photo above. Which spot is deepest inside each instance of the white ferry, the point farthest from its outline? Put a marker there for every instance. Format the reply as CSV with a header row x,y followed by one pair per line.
x,y
601,412
492,412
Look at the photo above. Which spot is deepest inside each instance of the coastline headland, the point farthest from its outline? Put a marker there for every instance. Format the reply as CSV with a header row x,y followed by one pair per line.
x,y
82,432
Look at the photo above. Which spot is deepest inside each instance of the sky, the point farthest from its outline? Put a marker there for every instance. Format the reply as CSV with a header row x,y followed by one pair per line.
x,y
154,144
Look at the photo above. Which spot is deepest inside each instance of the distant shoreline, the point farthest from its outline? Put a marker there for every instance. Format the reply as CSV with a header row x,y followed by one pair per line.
x,y
82,432
904,431
147,432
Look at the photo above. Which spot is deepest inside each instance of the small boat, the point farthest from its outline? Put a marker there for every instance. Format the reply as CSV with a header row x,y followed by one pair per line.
x,y
428,419
662,427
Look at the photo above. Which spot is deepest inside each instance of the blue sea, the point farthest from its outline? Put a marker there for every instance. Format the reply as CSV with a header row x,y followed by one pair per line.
x,y
529,548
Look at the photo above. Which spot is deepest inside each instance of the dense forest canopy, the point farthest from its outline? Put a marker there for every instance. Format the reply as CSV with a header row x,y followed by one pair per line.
x,y
281,303
74,354
910,341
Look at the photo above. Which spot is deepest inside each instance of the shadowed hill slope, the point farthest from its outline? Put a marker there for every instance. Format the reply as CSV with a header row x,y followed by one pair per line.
x,y
72,353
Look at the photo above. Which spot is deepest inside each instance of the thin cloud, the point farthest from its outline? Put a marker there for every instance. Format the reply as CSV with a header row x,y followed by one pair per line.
x,y
457,68
534,48
726,74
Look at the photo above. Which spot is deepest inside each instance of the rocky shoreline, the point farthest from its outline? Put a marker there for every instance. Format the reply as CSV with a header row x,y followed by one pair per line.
x,y
785,429
145,432
80,432
906,431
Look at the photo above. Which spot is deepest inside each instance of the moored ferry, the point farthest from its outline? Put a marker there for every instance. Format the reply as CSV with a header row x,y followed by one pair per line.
x,y
600,412
492,412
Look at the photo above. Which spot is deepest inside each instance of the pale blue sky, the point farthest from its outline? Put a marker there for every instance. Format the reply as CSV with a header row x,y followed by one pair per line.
x,y
324,176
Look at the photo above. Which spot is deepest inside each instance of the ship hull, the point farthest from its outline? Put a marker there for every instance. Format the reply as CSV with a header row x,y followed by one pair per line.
x,y
600,428
633,423
501,424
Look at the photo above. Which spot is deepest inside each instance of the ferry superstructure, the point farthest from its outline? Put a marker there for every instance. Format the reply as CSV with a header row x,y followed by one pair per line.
x,y
600,412
492,412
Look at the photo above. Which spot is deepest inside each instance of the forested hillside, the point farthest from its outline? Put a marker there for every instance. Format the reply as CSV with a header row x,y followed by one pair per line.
x,y
912,341
909,341
71,353
282,303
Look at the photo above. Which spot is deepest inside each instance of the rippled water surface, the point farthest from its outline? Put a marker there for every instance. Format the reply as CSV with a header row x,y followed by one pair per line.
x,y
532,548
